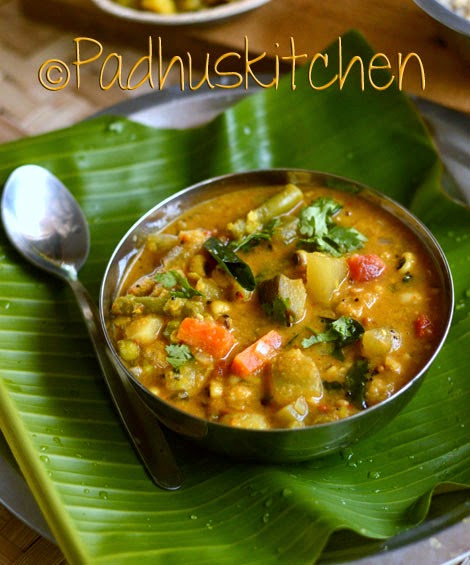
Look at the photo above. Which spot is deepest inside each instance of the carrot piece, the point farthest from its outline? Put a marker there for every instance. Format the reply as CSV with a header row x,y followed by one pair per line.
x,y
365,267
256,355
207,335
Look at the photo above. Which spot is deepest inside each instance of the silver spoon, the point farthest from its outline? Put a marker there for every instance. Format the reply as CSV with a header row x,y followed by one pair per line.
x,y
46,225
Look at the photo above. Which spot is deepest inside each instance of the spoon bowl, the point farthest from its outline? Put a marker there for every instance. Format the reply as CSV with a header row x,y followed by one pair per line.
x,y
46,225
44,222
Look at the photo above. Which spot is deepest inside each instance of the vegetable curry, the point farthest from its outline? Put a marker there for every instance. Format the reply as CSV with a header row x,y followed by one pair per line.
x,y
279,308
172,6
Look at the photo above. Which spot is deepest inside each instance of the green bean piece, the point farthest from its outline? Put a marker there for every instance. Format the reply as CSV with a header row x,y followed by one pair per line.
x,y
129,304
278,204
161,242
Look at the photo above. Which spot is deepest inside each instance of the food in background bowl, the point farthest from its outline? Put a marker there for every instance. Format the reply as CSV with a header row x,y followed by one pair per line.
x,y
172,6
454,14
178,12
460,7
281,306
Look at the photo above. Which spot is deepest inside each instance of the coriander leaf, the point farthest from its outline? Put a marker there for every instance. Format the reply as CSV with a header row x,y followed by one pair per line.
x,y
355,383
324,337
231,263
315,219
177,283
319,244
345,239
255,238
178,355
316,222
343,331
348,328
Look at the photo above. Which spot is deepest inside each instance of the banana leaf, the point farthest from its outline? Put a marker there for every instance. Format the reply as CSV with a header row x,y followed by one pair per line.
x,y
54,409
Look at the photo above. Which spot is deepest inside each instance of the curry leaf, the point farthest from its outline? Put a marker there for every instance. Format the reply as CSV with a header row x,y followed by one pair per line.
x,y
231,263
355,382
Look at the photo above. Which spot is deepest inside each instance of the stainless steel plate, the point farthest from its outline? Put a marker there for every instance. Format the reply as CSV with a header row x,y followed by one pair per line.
x,y
444,536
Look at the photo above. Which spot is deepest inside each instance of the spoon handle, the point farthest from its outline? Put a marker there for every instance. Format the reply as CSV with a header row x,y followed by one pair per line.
x,y
140,422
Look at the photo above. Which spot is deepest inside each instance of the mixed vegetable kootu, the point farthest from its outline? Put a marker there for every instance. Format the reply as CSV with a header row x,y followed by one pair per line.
x,y
172,6
266,309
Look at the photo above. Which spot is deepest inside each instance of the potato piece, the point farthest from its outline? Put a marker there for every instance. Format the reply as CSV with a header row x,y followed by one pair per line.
x,y
283,298
248,420
190,379
144,330
324,275
219,308
378,390
293,414
159,6
295,374
216,389
378,342
240,396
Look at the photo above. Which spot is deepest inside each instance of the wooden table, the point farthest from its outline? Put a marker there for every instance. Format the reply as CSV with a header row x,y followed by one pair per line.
x,y
33,31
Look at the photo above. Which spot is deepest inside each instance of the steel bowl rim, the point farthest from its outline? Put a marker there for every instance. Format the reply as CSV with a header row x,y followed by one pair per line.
x,y
435,250
206,15
445,16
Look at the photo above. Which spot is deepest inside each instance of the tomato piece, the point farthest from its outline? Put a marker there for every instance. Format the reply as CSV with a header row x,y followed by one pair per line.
x,y
365,267
423,326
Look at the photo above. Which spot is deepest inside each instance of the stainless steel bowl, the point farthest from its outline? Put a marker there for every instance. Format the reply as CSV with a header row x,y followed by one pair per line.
x,y
216,14
279,445
445,16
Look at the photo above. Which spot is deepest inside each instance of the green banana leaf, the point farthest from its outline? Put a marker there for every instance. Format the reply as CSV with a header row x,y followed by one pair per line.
x,y
54,409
